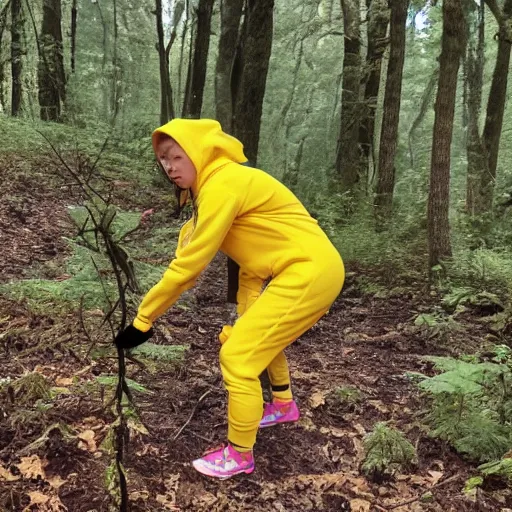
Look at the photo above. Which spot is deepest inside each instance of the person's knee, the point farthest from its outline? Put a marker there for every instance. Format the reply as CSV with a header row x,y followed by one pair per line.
x,y
233,367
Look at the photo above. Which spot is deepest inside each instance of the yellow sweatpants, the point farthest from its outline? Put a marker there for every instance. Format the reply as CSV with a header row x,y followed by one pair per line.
x,y
292,303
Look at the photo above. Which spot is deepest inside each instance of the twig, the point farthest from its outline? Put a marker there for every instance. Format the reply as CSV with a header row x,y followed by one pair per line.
x,y
201,398
412,500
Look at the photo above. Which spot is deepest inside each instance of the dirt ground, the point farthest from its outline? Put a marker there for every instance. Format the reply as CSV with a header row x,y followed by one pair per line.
x,y
51,457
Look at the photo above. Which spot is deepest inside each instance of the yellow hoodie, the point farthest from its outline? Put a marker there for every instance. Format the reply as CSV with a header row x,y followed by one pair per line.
x,y
242,211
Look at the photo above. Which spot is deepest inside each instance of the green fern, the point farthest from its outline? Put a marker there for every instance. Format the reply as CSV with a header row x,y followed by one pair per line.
x,y
470,407
111,381
168,353
387,450
502,468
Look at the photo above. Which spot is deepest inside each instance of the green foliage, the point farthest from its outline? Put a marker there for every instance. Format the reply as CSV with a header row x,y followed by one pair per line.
x,y
501,468
345,397
111,382
471,406
168,353
436,325
386,450
31,387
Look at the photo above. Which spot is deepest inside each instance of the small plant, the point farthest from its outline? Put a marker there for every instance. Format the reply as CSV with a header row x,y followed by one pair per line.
x,y
31,387
343,399
436,325
387,450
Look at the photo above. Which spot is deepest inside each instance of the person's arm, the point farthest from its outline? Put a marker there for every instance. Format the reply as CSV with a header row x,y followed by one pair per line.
x,y
216,212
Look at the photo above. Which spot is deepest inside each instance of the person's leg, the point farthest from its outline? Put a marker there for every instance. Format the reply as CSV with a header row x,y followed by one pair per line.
x,y
279,375
291,304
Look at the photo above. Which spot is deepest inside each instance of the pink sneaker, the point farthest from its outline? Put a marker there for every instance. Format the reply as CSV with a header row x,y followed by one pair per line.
x,y
279,412
224,462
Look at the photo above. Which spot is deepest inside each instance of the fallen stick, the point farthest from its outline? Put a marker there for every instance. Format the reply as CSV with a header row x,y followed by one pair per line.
x,y
201,398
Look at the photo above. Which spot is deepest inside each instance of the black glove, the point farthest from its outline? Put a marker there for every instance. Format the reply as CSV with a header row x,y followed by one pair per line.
x,y
132,337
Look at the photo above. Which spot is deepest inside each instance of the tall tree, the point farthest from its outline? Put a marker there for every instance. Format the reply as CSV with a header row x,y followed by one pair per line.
x,y
16,54
378,20
3,23
196,76
391,115
74,17
251,74
51,77
347,153
474,71
452,49
231,13
166,103
497,98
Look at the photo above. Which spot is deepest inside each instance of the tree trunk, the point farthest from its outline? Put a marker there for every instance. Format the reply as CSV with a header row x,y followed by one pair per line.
x,y
3,23
51,78
231,13
347,153
452,49
197,68
166,104
74,16
476,155
496,103
254,62
391,116
16,54
378,20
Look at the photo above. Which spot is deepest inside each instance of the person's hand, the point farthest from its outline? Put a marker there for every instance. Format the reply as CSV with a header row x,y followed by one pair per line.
x,y
132,337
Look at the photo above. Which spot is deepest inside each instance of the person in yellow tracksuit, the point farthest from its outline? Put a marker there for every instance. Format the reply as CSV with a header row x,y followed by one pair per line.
x,y
260,224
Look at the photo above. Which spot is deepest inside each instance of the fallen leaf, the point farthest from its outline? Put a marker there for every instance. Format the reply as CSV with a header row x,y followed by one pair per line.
x,y
317,399
307,424
37,498
337,432
418,480
32,467
6,475
138,495
347,351
169,505
63,382
87,441
56,481
435,476
359,448
358,505
360,429
45,503
379,406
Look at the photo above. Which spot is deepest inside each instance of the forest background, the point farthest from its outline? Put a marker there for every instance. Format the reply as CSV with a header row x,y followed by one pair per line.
x,y
389,120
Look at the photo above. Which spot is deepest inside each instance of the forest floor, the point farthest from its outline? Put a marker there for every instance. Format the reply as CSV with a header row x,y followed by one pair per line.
x,y
51,452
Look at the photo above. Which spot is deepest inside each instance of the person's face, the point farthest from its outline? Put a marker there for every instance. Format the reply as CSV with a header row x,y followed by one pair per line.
x,y
176,163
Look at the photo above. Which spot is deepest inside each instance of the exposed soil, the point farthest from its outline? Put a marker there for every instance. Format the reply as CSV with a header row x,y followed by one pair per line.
x,y
313,465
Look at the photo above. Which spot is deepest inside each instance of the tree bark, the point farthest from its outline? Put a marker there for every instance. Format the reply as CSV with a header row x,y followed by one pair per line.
x,y
347,153
197,68
51,77
74,16
3,23
476,154
391,116
166,103
253,62
452,49
231,13
378,20
16,55
496,102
